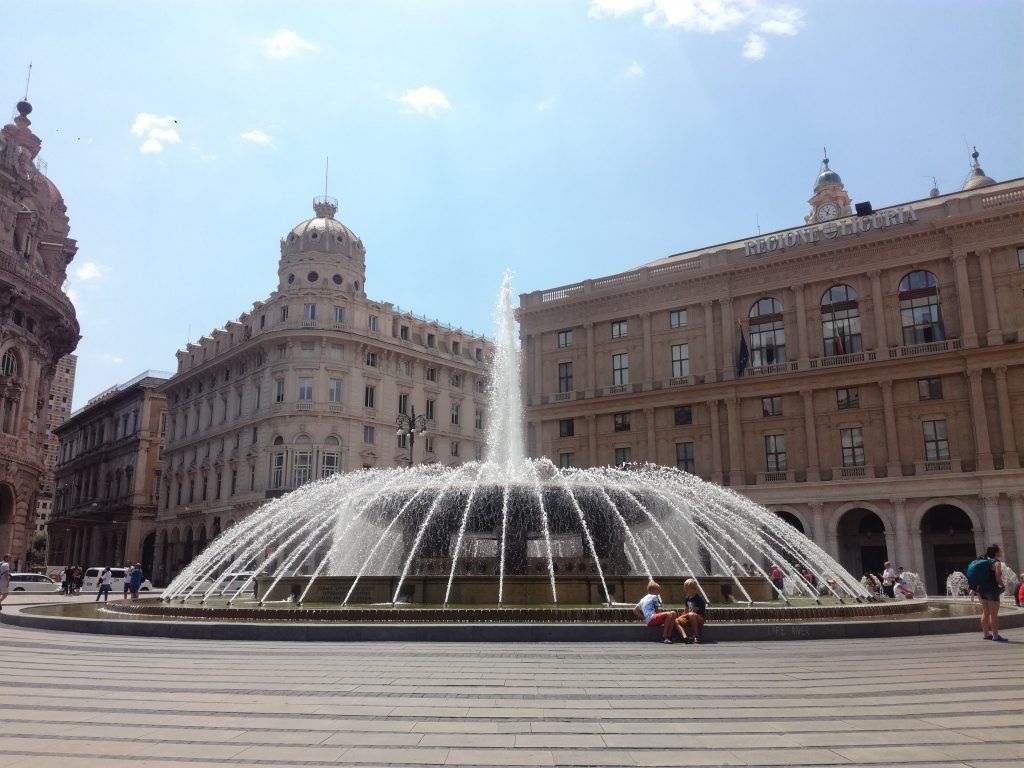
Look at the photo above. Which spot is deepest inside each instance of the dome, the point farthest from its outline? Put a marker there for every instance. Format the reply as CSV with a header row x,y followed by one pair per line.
x,y
977,179
323,226
827,176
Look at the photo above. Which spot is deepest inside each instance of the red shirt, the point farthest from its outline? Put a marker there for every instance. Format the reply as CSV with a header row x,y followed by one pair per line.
x,y
1020,593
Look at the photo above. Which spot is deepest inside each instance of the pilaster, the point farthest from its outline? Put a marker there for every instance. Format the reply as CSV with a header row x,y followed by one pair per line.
x,y
963,295
710,351
737,475
801,326
716,442
993,333
813,469
993,526
728,340
980,419
893,465
1011,457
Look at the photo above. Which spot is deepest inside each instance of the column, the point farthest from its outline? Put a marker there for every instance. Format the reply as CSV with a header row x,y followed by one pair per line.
x,y
592,440
709,342
801,326
716,442
813,470
878,310
818,524
591,361
1017,507
648,380
652,446
980,419
1011,458
728,340
737,476
893,465
993,527
537,396
993,333
903,555
963,295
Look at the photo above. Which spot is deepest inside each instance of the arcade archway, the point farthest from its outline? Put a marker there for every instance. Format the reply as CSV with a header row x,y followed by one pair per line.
x,y
947,543
860,539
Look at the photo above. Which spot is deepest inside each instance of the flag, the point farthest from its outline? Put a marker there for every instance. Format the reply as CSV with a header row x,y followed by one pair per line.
x,y
743,357
840,345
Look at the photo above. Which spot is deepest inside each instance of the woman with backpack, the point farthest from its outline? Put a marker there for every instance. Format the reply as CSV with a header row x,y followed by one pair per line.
x,y
985,576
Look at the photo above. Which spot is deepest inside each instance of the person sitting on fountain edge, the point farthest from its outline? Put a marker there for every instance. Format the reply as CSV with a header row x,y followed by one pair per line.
x,y
696,612
647,609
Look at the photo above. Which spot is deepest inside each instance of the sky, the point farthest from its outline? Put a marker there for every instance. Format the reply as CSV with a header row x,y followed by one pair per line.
x,y
562,139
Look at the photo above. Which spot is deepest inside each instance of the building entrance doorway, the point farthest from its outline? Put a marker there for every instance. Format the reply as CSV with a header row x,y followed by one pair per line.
x,y
947,541
861,542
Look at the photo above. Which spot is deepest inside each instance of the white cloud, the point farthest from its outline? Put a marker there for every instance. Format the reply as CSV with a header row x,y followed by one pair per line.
x,y
425,101
636,69
767,17
258,137
546,104
755,47
90,270
157,130
286,44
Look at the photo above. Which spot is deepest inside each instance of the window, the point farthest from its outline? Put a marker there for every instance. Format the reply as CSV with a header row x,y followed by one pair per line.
x,y
337,352
9,363
621,422
284,314
920,313
302,467
565,338
455,448
840,321
456,409
234,482
431,374
620,369
370,396
371,359
565,377
929,389
852,440
1020,257
282,351
334,391
478,419
279,391
329,464
567,428
775,453
339,314
305,388
456,348
771,406
620,329
371,322
308,349
428,444
403,332
680,360
684,457
623,456
430,409
847,398
277,470
567,459
403,402
457,380
368,434
677,318
936,440
683,414
431,341
767,334
404,368
309,312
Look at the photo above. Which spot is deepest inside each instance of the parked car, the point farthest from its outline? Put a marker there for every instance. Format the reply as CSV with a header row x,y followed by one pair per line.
x,y
33,582
117,578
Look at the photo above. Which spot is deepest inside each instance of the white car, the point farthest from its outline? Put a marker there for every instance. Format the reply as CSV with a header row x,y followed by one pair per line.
x,y
227,584
117,579
33,582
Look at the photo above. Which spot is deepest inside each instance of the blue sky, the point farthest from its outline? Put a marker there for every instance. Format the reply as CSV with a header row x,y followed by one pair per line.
x,y
563,139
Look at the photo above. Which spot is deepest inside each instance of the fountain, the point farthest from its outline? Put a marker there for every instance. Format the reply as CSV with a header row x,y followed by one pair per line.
x,y
956,585
509,531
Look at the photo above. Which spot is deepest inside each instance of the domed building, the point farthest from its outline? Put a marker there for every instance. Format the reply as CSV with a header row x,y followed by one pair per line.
x,y
308,383
37,323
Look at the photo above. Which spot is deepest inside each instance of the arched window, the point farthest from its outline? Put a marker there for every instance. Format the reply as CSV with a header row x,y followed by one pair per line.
x,y
840,321
277,464
9,363
767,335
330,459
302,461
920,311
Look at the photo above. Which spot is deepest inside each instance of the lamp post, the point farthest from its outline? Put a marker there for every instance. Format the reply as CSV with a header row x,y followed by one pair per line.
x,y
410,424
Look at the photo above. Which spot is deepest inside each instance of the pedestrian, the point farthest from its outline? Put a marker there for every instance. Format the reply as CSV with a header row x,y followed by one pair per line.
x,y
79,579
647,610
889,580
1020,592
777,578
902,585
696,612
985,577
68,582
104,585
5,579
126,583
135,580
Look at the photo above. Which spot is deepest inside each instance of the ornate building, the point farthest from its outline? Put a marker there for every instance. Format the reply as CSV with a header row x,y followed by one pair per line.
x,y
37,323
58,408
306,384
862,376
108,476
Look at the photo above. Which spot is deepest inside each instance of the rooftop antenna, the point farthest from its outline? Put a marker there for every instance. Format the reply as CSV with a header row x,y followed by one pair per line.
x,y
758,224
28,80
327,170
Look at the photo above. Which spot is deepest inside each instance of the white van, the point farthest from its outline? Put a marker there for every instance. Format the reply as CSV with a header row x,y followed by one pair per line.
x,y
117,579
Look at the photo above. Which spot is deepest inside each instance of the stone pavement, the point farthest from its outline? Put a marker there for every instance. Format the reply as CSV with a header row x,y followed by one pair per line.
x,y
85,701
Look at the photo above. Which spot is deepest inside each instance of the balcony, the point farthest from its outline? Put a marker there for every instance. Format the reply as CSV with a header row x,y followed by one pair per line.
x,y
304,405
562,397
679,381
852,473
768,478
927,348
935,467
771,370
853,358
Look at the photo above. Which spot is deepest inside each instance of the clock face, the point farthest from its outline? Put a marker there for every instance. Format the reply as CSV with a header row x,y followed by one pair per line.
x,y
827,212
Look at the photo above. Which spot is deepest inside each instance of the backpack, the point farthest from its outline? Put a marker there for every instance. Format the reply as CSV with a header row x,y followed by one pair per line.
x,y
979,573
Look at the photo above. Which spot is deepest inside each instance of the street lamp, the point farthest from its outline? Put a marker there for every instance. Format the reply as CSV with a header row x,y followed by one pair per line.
x,y
410,424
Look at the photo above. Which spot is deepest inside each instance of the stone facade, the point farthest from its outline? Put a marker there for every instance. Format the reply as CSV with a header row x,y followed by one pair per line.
x,y
108,477
58,408
862,376
306,384
37,324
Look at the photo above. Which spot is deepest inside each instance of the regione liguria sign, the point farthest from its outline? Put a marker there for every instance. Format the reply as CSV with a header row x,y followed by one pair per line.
x,y
831,230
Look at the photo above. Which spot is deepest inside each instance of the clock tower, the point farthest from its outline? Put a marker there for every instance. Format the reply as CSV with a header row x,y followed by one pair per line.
x,y
829,200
